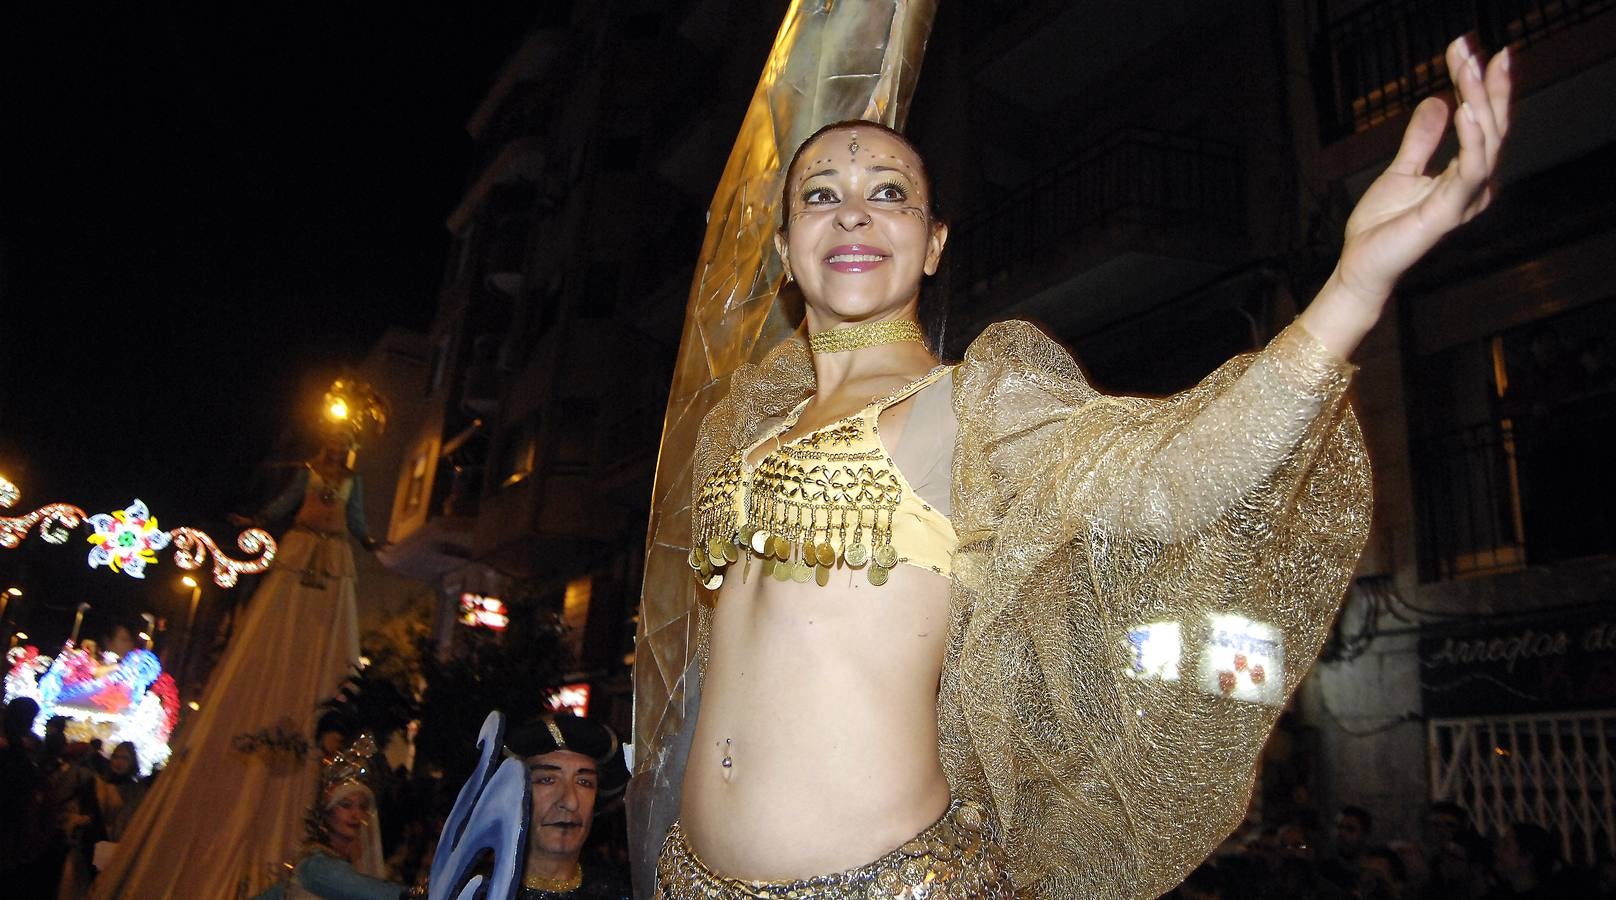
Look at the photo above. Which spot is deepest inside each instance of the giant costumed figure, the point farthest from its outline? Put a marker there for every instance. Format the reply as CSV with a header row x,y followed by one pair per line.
x,y
228,811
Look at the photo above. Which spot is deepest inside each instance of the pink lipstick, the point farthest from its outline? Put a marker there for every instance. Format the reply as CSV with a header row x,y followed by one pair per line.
x,y
854,258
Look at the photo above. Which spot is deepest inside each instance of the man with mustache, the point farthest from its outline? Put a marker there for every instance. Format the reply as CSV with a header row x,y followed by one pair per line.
x,y
572,763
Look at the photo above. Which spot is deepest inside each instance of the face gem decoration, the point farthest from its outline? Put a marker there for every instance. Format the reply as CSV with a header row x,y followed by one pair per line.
x,y
852,146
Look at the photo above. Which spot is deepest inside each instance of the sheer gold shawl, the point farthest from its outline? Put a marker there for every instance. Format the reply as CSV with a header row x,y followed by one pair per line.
x,y
1230,515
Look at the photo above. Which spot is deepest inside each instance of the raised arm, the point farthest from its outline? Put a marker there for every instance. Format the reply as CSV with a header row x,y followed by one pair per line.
x,y
1241,435
1406,212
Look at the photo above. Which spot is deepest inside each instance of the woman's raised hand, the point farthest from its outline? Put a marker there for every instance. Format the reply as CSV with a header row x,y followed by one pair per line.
x,y
1405,212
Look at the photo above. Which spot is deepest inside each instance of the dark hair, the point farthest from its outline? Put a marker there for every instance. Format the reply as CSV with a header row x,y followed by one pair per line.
x,y
1361,814
134,760
20,715
933,306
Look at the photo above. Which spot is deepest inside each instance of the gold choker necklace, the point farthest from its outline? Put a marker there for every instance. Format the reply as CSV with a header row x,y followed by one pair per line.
x,y
868,335
556,885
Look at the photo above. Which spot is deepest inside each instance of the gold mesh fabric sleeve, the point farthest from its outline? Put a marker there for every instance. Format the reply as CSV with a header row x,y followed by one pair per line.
x,y
1140,585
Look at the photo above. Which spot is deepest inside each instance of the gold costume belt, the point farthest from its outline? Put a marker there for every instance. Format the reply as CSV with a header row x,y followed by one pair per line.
x,y
958,856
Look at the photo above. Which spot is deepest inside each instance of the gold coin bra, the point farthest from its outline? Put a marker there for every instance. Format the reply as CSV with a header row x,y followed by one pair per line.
x,y
825,499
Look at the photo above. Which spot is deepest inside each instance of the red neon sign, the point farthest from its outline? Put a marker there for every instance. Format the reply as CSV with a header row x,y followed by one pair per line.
x,y
573,698
479,611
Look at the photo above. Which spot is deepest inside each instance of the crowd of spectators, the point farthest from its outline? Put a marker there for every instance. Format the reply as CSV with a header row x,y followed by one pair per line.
x,y
60,803
1451,861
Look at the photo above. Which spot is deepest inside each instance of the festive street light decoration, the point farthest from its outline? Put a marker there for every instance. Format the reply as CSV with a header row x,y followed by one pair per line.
x,y
126,540
129,539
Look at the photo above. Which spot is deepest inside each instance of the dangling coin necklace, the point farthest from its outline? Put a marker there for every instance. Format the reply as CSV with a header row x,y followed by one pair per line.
x,y
870,334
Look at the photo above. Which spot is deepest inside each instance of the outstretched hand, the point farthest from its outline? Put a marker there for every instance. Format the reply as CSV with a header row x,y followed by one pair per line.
x,y
1405,212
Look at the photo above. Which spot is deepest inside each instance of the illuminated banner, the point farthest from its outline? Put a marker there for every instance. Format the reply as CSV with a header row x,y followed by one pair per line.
x,y
479,611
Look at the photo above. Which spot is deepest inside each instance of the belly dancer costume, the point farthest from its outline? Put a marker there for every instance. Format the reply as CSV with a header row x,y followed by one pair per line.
x,y
229,807
1137,587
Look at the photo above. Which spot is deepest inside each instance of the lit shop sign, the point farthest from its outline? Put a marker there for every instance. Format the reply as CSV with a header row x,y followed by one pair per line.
x,y
483,612
573,698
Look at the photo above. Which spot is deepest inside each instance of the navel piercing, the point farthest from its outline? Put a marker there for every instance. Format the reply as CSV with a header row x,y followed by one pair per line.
x,y
728,760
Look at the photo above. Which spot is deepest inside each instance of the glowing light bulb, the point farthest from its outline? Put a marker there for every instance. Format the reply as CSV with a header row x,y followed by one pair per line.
x,y
194,705
14,591
337,409
188,581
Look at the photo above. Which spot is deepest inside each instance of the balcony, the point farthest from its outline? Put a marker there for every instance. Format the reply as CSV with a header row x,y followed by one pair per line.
x,y
1143,213
1508,494
1377,62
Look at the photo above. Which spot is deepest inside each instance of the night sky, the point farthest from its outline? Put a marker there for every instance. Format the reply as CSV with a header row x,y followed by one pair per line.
x,y
205,211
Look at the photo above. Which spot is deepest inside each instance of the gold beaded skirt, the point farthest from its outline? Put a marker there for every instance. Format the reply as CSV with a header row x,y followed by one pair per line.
x,y
958,856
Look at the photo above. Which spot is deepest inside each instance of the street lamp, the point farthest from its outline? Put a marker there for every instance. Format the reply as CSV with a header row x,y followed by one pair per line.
x,y
5,599
78,620
190,620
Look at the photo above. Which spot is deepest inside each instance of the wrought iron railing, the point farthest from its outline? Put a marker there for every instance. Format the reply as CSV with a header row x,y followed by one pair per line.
x,y
1136,175
1516,492
1384,57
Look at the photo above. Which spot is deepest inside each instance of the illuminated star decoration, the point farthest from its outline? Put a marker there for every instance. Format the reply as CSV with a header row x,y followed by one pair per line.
x,y
128,540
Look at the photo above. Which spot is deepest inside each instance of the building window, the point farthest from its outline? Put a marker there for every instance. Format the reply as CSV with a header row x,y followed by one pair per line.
x,y
1511,435
518,452
575,613
415,489
439,366
574,443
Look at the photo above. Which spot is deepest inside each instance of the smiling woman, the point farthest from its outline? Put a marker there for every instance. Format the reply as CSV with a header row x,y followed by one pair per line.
x,y
342,859
979,630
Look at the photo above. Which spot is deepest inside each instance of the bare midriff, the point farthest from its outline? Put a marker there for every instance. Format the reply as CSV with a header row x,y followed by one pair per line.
x,y
824,701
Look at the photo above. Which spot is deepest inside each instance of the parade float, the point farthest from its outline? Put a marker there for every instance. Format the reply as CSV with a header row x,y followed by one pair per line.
x,y
106,696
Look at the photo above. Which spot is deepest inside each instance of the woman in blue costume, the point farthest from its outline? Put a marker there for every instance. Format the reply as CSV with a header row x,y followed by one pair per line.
x,y
992,633
342,859
227,810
